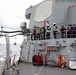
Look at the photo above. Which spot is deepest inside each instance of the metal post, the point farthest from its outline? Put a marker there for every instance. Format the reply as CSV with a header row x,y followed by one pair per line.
x,y
7,51
8,71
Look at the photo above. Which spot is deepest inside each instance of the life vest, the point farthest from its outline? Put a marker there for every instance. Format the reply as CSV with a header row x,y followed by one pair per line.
x,y
63,29
43,29
38,31
54,28
48,28
61,61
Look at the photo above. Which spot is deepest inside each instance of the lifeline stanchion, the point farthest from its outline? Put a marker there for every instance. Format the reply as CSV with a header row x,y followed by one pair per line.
x,y
8,71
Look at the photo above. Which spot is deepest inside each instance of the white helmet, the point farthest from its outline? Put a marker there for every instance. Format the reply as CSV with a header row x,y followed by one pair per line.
x,y
54,23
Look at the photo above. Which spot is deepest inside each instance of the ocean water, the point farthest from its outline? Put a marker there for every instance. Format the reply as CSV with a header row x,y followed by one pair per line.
x,y
14,49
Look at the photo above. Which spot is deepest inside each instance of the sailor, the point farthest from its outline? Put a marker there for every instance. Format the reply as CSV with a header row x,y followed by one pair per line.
x,y
68,31
34,33
55,30
48,30
38,33
73,31
43,32
63,31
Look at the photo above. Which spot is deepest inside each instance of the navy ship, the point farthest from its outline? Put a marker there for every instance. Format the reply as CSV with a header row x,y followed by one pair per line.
x,y
52,25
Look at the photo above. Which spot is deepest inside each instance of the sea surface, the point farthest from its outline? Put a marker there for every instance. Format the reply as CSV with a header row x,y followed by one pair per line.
x,y
14,49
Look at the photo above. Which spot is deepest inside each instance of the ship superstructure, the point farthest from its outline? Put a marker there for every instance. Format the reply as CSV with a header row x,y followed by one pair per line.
x,y
47,13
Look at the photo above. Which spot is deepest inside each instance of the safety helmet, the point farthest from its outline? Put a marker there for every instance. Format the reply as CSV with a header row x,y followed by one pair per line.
x,y
54,23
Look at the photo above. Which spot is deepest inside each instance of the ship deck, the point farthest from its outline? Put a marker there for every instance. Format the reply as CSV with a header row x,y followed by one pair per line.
x,y
29,69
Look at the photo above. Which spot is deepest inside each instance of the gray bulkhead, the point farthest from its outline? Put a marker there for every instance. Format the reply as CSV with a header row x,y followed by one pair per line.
x,y
31,48
61,13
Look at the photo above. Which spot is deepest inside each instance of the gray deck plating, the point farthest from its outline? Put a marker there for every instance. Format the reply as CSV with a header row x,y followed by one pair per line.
x,y
29,69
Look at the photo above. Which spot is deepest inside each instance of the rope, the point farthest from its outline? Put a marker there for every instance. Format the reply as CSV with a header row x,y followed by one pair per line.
x,y
15,35
40,70
10,31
